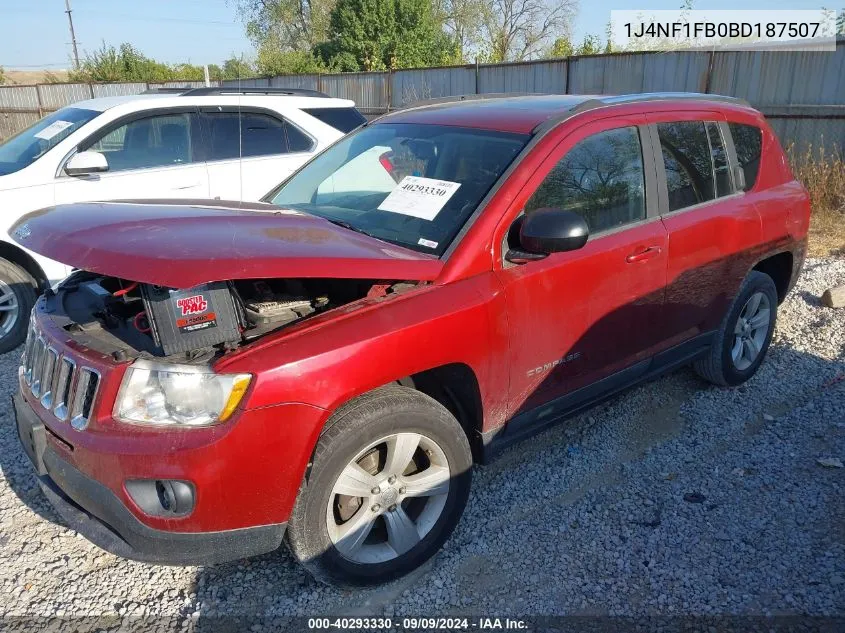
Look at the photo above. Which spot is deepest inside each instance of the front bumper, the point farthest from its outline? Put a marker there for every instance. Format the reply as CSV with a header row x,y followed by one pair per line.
x,y
94,511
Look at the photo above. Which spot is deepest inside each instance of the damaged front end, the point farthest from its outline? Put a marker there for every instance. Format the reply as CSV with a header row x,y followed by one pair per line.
x,y
130,320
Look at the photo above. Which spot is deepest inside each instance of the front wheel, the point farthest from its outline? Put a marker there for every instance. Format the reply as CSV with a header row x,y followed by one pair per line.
x,y
17,296
388,483
744,335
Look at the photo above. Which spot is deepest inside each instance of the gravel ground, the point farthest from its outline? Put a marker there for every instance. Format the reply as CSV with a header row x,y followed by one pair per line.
x,y
674,498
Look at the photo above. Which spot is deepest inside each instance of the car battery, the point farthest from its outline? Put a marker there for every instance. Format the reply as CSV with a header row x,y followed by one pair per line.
x,y
195,318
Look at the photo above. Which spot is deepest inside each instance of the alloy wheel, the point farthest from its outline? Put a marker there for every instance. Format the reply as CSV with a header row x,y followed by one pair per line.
x,y
387,498
751,330
9,308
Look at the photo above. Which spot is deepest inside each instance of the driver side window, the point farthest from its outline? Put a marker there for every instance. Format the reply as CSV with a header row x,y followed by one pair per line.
x,y
601,179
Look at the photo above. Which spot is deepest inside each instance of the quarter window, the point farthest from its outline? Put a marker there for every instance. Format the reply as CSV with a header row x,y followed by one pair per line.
x,y
342,119
688,164
601,178
155,141
249,134
748,142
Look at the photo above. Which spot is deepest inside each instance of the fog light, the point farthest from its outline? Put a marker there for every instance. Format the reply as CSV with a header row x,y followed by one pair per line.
x,y
162,497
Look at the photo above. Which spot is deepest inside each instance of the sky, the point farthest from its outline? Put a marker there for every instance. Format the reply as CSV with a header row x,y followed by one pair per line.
x,y
35,34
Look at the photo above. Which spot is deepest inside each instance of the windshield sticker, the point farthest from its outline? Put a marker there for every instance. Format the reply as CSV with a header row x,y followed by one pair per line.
x,y
427,243
55,128
419,197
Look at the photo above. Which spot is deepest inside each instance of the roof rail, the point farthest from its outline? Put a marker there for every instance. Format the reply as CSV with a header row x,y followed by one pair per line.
x,y
471,97
227,90
159,91
601,101
654,96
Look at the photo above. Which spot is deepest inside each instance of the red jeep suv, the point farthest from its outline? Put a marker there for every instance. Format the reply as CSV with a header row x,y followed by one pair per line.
x,y
327,365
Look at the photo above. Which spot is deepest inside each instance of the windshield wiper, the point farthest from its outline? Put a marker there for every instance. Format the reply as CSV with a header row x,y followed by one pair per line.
x,y
351,227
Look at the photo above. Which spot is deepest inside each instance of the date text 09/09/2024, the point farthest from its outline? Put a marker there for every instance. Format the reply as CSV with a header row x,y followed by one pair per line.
x,y
418,624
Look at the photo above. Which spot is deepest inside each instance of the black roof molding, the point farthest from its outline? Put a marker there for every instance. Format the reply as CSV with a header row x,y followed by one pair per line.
x,y
226,90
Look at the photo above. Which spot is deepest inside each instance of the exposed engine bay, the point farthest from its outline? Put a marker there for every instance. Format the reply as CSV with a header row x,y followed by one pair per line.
x,y
131,319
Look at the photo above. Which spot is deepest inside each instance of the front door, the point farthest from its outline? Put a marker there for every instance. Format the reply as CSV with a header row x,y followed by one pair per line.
x,y
150,156
580,316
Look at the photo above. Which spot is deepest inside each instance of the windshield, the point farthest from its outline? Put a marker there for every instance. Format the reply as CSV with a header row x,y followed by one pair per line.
x,y
409,184
35,141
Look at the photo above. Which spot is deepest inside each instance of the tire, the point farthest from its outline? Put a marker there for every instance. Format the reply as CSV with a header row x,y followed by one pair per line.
x,y
16,288
721,365
353,437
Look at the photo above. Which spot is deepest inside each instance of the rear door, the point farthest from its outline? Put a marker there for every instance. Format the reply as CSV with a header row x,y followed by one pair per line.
x,y
709,221
150,155
250,151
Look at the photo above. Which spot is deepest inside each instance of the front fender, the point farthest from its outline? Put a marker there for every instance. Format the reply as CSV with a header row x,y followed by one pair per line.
x,y
461,322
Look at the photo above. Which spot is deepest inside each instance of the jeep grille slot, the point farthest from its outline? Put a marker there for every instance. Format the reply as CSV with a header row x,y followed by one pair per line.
x,y
51,359
57,382
38,352
83,397
27,354
64,382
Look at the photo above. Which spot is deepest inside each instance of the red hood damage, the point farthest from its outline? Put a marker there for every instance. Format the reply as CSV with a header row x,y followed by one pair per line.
x,y
180,244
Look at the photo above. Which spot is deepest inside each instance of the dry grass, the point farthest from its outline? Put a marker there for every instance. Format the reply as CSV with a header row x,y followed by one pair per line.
x,y
27,77
822,171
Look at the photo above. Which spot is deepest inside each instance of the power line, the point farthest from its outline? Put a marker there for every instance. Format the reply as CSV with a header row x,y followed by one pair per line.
x,y
140,18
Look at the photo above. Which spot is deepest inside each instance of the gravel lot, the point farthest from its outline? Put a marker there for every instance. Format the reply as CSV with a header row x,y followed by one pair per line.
x,y
674,498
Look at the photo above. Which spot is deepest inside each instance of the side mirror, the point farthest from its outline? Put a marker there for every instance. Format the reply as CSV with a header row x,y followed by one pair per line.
x,y
547,231
86,163
739,178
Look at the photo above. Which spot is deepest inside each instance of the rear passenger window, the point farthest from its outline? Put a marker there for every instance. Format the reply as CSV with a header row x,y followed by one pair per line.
x,y
601,178
748,142
342,119
724,186
689,168
251,134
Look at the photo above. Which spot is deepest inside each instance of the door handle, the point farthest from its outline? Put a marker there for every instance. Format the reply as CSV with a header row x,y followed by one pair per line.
x,y
643,254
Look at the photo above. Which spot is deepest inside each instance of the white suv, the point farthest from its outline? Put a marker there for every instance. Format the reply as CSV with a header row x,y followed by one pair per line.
x,y
224,143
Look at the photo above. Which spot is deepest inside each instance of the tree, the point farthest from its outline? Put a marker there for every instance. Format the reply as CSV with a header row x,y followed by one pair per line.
x,y
382,34
233,68
272,61
126,63
462,21
562,47
516,30
120,64
236,68
2,76
286,25
590,46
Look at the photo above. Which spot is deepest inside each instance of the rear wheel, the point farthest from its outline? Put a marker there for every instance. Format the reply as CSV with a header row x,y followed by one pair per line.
x,y
17,296
389,480
745,333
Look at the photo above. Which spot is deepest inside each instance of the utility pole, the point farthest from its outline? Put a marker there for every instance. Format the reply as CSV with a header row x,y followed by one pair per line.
x,y
72,36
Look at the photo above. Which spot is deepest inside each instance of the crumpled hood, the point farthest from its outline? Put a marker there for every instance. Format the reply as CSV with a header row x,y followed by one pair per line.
x,y
182,243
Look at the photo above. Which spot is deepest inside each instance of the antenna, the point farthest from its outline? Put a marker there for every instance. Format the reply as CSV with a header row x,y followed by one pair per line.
x,y
72,35
240,138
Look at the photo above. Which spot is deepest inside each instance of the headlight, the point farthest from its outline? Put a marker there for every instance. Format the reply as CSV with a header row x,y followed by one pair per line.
x,y
164,394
